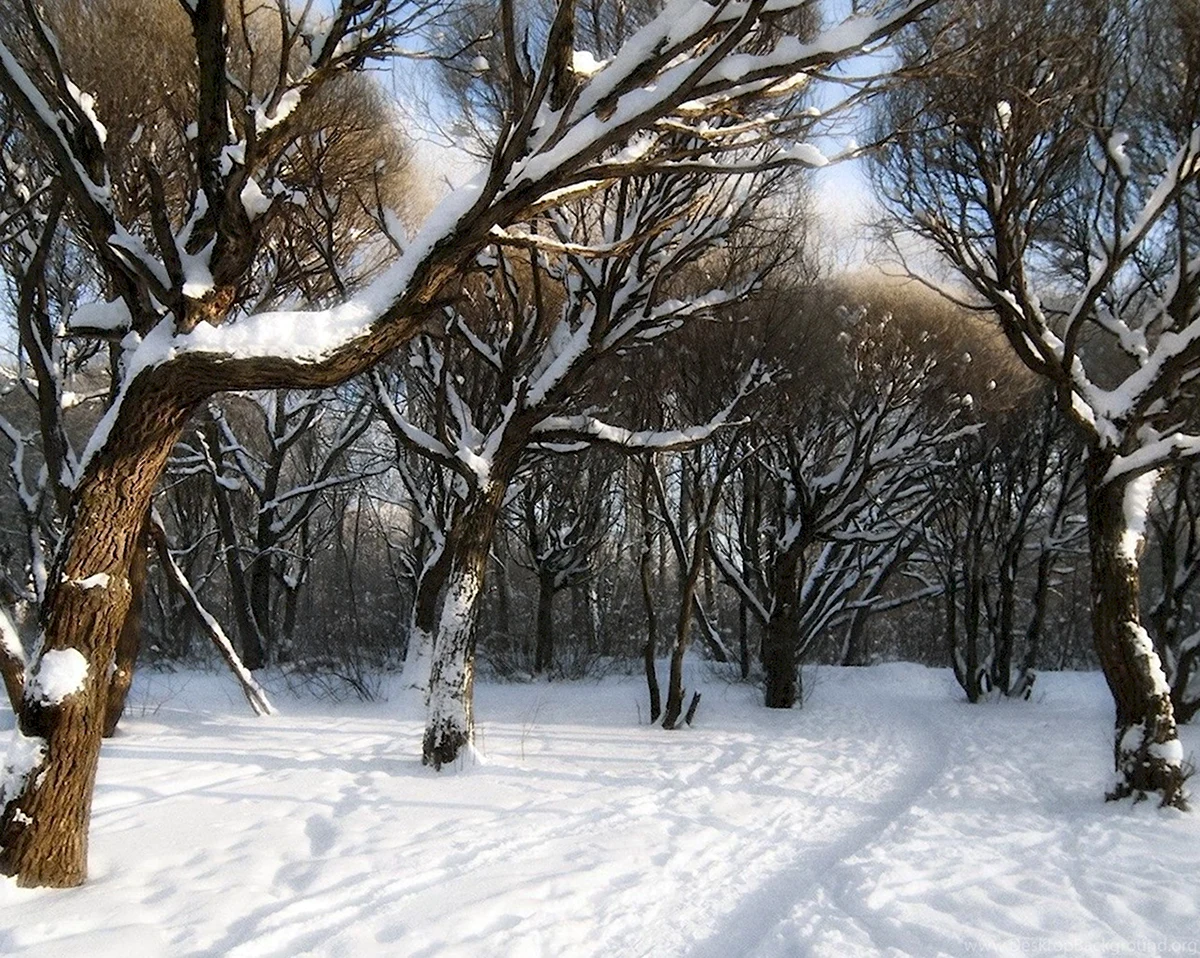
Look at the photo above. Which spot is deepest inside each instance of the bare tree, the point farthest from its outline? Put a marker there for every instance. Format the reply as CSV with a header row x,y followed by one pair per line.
x,y
564,512
1003,523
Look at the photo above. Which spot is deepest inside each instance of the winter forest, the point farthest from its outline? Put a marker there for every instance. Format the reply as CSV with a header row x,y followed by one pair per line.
x,y
360,359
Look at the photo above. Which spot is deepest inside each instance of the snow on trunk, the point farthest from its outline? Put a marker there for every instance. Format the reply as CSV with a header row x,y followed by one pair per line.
x,y
450,722
418,659
1147,755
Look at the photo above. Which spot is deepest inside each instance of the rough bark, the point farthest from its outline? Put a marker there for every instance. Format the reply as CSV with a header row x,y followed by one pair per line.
x,y
1147,753
418,657
12,663
43,825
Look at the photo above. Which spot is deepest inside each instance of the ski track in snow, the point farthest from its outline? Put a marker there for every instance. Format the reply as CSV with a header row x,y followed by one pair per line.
x,y
885,818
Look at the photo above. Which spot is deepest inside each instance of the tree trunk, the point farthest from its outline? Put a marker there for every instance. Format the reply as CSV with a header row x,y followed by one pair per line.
x,y
543,656
650,647
130,641
780,645
450,720
253,653
12,661
260,609
744,639
857,653
683,632
46,806
1147,752
780,665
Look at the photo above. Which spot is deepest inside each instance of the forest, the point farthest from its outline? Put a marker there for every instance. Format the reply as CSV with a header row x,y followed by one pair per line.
x,y
278,400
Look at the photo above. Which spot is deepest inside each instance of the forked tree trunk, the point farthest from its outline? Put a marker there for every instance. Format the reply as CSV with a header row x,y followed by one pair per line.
x,y
44,822
450,721
1147,752
683,632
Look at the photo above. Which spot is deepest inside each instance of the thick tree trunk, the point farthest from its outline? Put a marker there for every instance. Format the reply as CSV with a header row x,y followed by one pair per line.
x,y
780,665
1147,752
47,803
130,641
450,720
543,656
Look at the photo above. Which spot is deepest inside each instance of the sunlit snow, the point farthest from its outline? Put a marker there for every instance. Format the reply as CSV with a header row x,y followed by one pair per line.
x,y
887,817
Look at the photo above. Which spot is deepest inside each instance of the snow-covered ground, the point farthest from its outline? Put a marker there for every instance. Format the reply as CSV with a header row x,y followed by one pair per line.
x,y
887,817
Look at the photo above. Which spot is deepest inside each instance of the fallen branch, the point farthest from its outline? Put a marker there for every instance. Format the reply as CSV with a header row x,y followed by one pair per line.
x,y
255,694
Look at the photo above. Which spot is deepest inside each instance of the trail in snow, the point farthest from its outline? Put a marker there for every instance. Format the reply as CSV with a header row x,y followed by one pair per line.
x,y
887,817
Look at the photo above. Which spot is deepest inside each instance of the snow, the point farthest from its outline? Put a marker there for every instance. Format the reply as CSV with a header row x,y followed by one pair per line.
x,y
25,754
105,315
10,640
885,818
59,673
1004,114
287,104
1136,504
585,64
254,200
1115,147
310,335
807,154
98,581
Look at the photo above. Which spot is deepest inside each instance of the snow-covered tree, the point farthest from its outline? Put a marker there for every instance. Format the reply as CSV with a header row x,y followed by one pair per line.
x,y
179,269
1053,160
513,377
831,501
